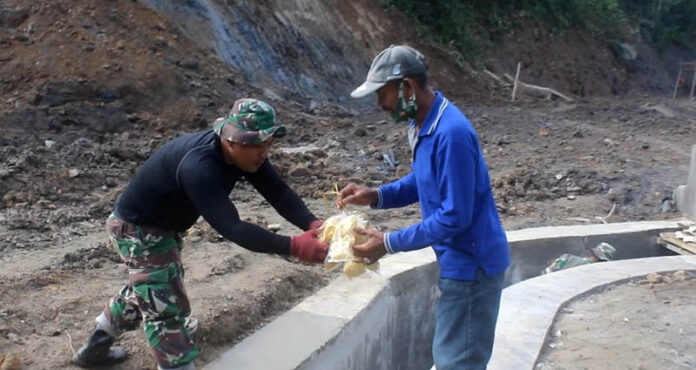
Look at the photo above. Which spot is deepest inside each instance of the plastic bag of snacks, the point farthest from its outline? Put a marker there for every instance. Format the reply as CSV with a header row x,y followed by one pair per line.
x,y
338,232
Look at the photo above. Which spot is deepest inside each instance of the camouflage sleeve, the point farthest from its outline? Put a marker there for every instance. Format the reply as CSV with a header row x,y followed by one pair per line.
x,y
205,188
283,199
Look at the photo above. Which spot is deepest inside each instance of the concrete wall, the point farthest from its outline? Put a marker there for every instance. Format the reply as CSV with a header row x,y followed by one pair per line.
x,y
532,249
386,321
393,332
685,195
375,321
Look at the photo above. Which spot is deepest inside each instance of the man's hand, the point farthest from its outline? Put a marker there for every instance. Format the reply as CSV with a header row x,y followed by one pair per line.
x,y
357,194
373,249
316,224
308,248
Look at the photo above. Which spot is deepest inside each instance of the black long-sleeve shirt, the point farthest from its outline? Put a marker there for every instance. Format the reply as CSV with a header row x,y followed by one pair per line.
x,y
188,177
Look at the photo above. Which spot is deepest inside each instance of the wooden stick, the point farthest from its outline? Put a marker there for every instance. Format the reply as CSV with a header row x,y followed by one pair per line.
x,y
693,85
495,77
548,92
517,78
70,344
676,84
604,219
545,90
540,89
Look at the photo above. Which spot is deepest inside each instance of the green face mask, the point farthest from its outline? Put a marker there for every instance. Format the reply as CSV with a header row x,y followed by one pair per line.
x,y
405,110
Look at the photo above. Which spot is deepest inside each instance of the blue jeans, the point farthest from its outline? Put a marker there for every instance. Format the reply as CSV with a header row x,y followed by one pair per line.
x,y
465,321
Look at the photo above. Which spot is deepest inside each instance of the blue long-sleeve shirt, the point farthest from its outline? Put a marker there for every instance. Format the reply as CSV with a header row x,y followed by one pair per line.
x,y
450,179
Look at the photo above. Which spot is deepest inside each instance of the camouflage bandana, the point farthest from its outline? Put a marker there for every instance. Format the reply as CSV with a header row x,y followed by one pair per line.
x,y
250,122
604,252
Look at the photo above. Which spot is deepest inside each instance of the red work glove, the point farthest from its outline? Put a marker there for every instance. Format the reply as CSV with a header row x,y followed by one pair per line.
x,y
315,224
308,248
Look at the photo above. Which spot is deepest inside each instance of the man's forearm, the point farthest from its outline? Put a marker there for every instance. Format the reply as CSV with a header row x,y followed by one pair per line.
x,y
399,193
256,238
292,208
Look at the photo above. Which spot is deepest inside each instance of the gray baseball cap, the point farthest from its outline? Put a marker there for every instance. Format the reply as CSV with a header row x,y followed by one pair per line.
x,y
393,63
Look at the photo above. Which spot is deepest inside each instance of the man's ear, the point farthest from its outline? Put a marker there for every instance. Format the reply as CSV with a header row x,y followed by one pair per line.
x,y
225,144
227,150
410,87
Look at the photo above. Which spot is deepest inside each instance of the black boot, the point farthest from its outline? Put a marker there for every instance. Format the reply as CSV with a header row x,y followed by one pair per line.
x,y
98,351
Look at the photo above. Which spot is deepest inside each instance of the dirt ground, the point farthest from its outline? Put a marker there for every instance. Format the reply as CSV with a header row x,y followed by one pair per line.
x,y
89,91
634,325
49,300
55,280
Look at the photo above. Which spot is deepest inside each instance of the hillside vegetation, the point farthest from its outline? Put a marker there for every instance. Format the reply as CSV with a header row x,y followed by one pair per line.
x,y
471,26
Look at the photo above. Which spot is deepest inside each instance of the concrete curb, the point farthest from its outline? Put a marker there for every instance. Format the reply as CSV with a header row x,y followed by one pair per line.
x,y
532,249
528,309
348,324
386,321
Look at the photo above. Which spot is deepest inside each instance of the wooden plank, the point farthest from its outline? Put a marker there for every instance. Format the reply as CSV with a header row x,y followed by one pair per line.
x,y
687,66
672,247
672,239
676,249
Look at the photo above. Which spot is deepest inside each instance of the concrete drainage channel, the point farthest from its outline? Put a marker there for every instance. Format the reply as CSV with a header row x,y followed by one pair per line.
x,y
385,321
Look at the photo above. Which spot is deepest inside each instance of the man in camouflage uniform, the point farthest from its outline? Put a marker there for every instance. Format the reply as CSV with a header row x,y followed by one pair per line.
x,y
602,252
188,177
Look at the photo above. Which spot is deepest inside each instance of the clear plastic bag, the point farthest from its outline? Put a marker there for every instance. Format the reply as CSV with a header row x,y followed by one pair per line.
x,y
338,232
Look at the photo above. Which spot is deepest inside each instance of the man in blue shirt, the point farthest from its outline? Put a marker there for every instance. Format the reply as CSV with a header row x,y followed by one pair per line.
x,y
450,180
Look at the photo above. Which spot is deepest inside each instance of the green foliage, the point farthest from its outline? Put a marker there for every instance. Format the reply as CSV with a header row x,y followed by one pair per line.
x,y
451,23
665,22
470,26
605,17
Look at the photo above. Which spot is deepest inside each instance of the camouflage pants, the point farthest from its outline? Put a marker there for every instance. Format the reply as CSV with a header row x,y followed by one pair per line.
x,y
155,292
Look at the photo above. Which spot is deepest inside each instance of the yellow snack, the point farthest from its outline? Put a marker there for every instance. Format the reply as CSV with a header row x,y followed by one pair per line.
x,y
353,269
328,229
340,250
338,232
